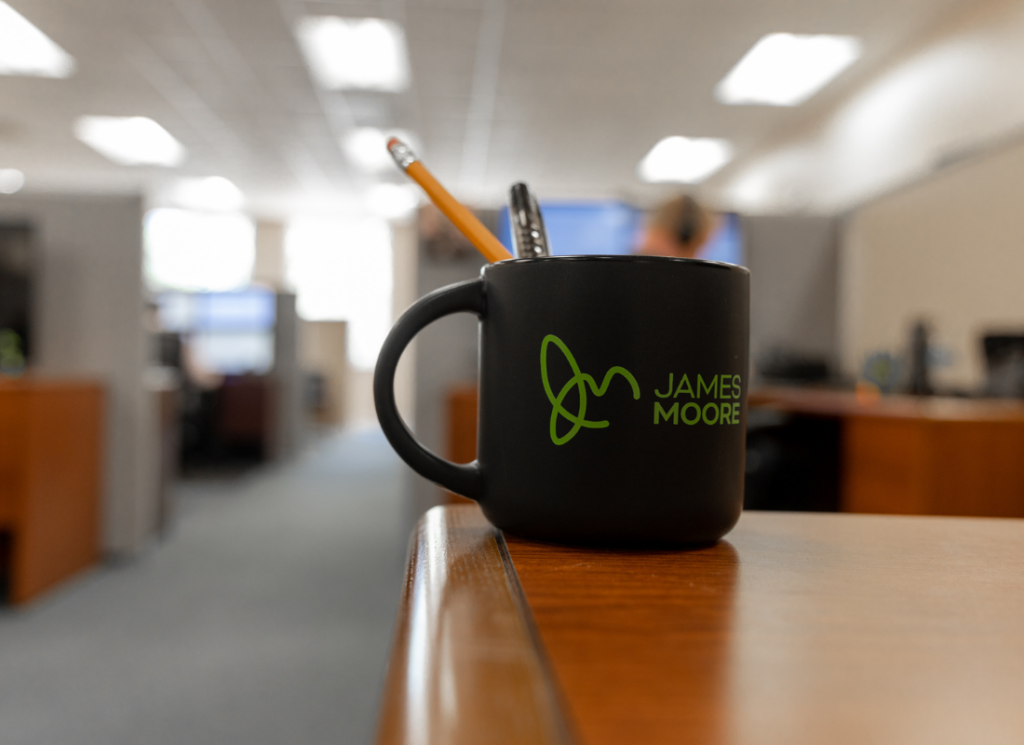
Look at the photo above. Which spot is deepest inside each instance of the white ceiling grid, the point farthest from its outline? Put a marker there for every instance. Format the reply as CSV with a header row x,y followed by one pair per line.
x,y
565,94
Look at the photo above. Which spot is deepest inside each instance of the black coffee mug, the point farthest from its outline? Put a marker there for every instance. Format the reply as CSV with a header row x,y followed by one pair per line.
x,y
612,397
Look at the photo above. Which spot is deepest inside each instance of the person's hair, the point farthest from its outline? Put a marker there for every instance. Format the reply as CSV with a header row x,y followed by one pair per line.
x,y
684,219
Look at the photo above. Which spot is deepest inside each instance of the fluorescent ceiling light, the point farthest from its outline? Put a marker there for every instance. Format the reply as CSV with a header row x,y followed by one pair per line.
x,y
366,148
392,201
367,53
787,69
130,140
216,194
684,160
11,180
25,50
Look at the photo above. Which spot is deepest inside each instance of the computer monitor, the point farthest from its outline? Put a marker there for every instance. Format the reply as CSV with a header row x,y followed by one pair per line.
x,y
228,332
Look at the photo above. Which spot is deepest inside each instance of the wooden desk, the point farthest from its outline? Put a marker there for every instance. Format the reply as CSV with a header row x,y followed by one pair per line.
x,y
919,456
798,628
50,449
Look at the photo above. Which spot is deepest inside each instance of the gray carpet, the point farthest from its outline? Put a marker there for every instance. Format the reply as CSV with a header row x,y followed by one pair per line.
x,y
265,617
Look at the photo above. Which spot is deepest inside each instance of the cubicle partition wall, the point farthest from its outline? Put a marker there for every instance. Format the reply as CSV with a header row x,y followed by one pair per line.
x,y
87,313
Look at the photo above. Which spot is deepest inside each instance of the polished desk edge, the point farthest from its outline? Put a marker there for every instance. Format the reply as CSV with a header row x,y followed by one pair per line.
x,y
466,662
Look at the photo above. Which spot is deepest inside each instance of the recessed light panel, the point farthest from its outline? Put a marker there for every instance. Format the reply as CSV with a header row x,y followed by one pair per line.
x,y
11,180
684,160
361,53
787,69
25,50
130,140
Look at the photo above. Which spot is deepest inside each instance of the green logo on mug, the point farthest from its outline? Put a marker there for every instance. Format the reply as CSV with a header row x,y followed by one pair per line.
x,y
580,381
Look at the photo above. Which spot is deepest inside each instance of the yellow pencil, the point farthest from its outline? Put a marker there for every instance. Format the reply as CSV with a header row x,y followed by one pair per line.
x,y
464,220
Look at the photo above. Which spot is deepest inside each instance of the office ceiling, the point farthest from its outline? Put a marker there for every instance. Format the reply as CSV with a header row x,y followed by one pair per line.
x,y
565,94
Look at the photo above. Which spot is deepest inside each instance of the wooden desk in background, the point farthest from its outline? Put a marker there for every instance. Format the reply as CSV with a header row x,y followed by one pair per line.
x,y
51,435
797,629
919,456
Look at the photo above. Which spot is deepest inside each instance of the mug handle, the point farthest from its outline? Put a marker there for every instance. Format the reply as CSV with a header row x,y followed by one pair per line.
x,y
464,297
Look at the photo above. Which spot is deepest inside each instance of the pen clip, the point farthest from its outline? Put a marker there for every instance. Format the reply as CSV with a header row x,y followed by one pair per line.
x,y
528,233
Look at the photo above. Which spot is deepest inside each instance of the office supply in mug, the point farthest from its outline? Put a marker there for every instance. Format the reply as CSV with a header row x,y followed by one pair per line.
x,y
612,397
464,220
528,234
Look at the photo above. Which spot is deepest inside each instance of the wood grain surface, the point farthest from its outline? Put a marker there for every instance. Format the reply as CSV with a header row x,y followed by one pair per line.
x,y
461,423
823,402
933,467
798,628
58,526
466,666
461,407
13,447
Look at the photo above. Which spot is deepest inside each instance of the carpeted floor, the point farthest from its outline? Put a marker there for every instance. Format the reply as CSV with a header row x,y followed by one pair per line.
x,y
265,617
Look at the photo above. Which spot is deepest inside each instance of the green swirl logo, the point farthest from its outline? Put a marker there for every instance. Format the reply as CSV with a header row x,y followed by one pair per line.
x,y
580,381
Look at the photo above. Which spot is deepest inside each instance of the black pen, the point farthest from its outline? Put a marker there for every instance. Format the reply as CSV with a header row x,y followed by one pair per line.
x,y
528,234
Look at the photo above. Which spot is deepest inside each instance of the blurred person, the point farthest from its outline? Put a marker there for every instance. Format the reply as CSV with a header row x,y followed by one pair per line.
x,y
680,227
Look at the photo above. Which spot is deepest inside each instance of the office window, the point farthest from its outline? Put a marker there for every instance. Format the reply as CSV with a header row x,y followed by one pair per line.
x,y
198,251
341,271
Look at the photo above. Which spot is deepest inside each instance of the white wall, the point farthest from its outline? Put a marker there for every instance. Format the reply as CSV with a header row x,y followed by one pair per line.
x,y
87,322
954,89
951,249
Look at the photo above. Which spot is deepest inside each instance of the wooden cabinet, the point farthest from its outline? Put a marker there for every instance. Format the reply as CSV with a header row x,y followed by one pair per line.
x,y
50,453
934,467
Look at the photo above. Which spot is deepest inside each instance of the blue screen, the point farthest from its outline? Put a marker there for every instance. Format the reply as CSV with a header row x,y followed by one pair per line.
x,y
726,243
610,227
252,309
575,228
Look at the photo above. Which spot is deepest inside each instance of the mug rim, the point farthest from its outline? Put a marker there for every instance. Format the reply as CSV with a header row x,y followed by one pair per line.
x,y
624,258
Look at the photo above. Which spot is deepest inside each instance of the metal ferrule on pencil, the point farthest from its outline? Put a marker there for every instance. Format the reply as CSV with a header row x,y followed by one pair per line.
x,y
402,153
